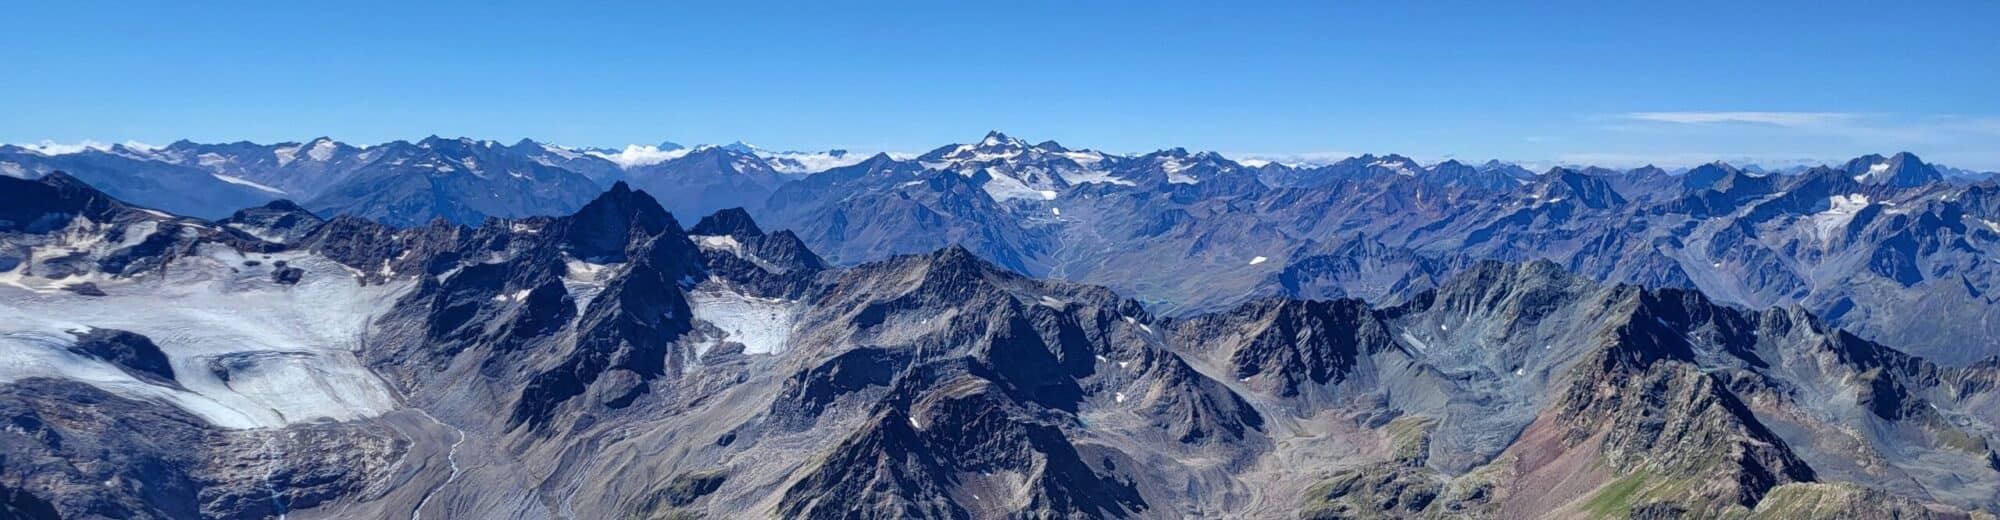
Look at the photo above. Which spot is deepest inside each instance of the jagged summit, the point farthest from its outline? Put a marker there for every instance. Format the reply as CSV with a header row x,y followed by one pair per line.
x,y
731,221
609,224
995,139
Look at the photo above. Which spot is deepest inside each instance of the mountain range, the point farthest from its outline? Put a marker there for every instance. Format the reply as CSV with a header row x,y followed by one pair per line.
x,y
460,328
1871,244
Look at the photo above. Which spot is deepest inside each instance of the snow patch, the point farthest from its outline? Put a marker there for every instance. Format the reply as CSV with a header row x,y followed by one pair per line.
x,y
1258,260
1839,212
1004,187
288,351
246,182
1075,178
321,150
285,154
1174,168
1874,170
761,325
584,281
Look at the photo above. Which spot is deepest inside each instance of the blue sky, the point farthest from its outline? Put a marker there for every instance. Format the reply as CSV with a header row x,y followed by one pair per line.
x,y
1552,81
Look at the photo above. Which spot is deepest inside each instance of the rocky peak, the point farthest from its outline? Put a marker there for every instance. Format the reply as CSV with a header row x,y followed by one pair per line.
x,y
956,264
734,222
608,225
29,204
995,139
1903,170
1452,167
1591,191
1708,175
281,221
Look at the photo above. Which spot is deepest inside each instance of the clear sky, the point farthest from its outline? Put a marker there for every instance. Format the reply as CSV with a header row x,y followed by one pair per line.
x,y
1606,82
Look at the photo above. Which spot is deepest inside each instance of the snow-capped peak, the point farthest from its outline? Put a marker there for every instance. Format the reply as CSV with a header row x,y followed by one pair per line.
x,y
322,149
1395,163
995,139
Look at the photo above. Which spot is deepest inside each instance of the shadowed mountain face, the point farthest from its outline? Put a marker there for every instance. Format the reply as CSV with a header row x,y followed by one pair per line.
x,y
613,363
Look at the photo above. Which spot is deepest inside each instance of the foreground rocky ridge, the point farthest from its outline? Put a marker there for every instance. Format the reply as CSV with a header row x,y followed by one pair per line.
x,y
615,363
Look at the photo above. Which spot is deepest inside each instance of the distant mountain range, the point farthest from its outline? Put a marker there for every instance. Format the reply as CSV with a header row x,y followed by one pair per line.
x,y
614,362
1885,246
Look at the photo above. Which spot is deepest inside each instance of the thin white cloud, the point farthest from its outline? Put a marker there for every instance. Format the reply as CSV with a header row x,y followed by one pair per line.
x,y
1786,119
48,147
1965,137
1305,158
636,155
1687,159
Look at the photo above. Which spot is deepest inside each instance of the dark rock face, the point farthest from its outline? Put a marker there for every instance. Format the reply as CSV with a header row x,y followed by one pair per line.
x,y
627,329
15,503
135,353
889,467
280,221
1296,343
1672,420
733,222
36,207
287,275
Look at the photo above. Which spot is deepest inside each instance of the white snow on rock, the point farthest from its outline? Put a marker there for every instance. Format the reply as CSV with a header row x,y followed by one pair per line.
x,y
246,182
718,242
1400,167
288,351
321,150
1004,187
1258,260
1084,158
285,154
729,244
585,280
1173,166
1075,178
761,325
1874,171
1841,210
